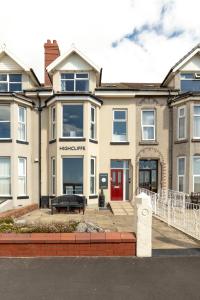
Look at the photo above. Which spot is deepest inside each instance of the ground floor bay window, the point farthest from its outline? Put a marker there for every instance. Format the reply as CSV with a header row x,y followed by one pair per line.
x,y
196,174
72,169
5,176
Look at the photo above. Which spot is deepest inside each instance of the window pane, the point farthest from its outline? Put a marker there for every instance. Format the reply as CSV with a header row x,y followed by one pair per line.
x,y
92,166
72,120
82,75
181,183
190,85
181,112
92,134
4,167
181,128
4,113
3,77
148,117
15,87
82,85
22,186
148,133
3,87
67,85
181,166
92,185
196,184
15,77
4,130
21,114
119,131
117,164
119,115
21,132
197,126
196,166
187,75
67,76
5,186
197,110
22,167
92,113
73,175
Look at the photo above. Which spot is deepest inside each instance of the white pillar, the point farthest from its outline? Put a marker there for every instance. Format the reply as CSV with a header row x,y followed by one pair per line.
x,y
143,225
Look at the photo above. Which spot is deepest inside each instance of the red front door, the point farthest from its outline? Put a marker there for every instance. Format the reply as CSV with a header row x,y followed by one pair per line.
x,y
116,185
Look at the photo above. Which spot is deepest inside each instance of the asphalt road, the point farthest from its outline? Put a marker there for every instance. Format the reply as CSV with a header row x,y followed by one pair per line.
x,y
170,278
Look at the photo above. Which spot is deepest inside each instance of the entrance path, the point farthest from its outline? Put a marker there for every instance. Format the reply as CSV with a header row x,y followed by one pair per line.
x,y
120,208
164,236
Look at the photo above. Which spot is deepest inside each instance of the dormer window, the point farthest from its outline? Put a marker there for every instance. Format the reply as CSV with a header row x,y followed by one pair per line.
x,y
75,82
10,82
190,82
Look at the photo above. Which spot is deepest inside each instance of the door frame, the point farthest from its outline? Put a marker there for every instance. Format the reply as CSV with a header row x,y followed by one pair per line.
x,y
150,171
124,176
117,171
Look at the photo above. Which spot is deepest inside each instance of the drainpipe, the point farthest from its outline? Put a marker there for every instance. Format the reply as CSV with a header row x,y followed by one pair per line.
x,y
170,141
39,147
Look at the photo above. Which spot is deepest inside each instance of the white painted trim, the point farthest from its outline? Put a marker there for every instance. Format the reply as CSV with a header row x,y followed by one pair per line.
x,y
13,57
186,60
120,120
185,123
74,98
153,126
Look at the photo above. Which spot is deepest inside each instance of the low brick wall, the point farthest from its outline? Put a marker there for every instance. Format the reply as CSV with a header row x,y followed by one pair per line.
x,y
67,244
18,212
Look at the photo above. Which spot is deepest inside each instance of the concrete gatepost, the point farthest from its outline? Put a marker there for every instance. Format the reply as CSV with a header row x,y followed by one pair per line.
x,y
143,225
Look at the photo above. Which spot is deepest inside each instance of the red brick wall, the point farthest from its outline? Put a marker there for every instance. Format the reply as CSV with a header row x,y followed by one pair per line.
x,y
67,244
51,52
18,212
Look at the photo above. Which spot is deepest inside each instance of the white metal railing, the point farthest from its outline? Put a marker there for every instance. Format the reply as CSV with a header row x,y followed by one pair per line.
x,y
175,209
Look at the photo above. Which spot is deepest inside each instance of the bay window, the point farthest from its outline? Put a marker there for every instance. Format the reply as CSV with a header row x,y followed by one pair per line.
x,y
75,82
72,121
196,174
181,173
5,176
119,125
4,121
21,123
22,176
53,175
53,122
10,82
196,121
181,123
92,175
93,123
148,124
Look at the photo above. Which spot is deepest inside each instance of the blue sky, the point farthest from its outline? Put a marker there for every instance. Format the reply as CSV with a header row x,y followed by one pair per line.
x,y
133,40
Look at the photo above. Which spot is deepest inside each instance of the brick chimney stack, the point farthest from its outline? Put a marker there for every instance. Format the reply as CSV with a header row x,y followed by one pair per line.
x,y
51,52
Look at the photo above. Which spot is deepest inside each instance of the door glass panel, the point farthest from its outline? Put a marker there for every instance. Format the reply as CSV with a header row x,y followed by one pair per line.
x,y
114,177
119,177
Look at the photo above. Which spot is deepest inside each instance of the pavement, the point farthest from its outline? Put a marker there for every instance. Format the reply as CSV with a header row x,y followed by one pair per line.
x,y
160,278
164,237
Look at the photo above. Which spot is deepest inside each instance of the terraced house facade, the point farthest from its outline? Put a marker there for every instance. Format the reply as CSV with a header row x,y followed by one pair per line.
x,y
74,134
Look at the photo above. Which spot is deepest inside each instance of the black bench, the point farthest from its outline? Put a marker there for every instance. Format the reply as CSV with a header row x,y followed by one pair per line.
x,y
68,202
195,198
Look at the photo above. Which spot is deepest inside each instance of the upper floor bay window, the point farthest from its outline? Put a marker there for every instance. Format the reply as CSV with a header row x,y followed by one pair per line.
x,y
4,122
196,122
181,122
53,122
148,124
10,82
72,121
119,125
181,174
196,174
190,82
5,177
22,182
21,123
75,82
93,122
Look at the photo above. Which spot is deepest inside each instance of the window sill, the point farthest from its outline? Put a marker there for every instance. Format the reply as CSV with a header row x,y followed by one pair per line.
x,y
154,143
23,197
72,139
93,141
22,142
5,140
6,197
52,141
93,196
181,141
119,143
195,140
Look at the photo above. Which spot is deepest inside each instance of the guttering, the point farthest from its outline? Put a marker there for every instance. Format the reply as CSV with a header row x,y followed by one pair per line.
x,y
75,94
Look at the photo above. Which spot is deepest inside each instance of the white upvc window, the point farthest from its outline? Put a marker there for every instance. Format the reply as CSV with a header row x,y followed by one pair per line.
x,y
93,123
119,133
53,123
196,174
53,175
22,180
148,124
75,82
181,134
181,166
93,175
22,123
10,82
196,122
5,176
5,124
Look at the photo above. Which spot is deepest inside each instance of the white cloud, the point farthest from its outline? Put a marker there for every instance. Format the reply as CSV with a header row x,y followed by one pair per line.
x,y
94,25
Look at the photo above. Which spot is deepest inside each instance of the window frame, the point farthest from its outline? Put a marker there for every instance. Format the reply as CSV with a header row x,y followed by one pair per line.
x,y
193,176
22,123
7,138
53,176
119,120
8,82
53,123
93,122
93,158
24,176
152,126
194,115
179,175
7,177
71,137
75,79
185,123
